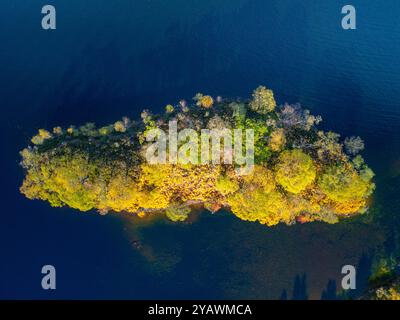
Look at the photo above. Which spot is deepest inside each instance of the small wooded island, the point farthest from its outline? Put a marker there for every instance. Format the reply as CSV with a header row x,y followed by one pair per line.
x,y
300,173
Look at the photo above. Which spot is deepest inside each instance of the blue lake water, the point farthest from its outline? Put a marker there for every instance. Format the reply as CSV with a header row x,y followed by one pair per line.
x,y
108,59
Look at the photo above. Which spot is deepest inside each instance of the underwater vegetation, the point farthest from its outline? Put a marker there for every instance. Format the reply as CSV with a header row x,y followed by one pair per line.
x,y
300,174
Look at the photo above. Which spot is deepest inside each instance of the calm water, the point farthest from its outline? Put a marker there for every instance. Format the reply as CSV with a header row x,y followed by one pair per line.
x,y
108,59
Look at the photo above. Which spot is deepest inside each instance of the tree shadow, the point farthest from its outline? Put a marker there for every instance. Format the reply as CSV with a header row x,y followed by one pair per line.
x,y
363,269
300,288
283,295
330,292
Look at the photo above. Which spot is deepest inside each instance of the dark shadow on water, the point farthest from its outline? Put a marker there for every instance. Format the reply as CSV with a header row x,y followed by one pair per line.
x,y
283,295
330,292
364,267
300,288
363,272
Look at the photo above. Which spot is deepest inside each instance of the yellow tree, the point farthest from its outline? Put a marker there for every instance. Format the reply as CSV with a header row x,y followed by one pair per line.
x,y
295,171
263,100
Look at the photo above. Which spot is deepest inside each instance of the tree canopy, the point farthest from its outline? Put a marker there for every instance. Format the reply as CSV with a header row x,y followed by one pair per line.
x,y
300,174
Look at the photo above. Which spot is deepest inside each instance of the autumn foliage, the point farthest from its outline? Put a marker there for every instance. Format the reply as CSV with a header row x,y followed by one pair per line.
x,y
301,174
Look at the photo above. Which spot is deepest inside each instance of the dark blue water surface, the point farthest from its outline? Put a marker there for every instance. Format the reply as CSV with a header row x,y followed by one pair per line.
x,y
113,58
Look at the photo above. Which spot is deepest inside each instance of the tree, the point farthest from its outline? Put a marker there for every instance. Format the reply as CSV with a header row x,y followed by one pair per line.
x,y
258,205
259,177
353,145
261,150
122,194
204,101
119,126
263,100
226,185
41,137
295,171
239,112
57,130
68,179
277,140
104,131
177,212
341,183
169,108
345,188
329,149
